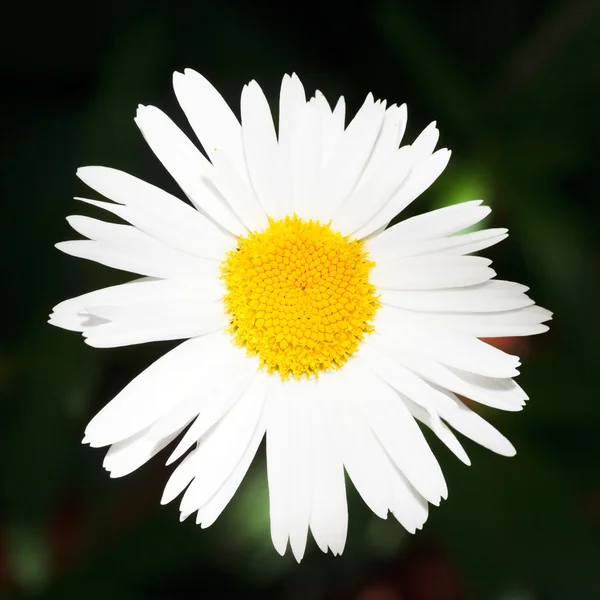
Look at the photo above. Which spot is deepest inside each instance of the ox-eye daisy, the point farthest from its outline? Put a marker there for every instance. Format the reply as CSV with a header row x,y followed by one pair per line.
x,y
304,318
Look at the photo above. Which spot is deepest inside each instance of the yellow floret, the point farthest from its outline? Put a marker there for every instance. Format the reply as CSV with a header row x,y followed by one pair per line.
x,y
316,281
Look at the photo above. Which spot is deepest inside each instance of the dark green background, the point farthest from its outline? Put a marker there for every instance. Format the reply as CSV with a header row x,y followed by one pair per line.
x,y
515,88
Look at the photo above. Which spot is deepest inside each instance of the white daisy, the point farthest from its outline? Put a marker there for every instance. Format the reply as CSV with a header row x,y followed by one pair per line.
x,y
304,318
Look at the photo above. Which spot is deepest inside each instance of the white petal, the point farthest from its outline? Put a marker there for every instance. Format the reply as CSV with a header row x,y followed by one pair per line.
x,y
155,211
378,481
471,425
289,436
125,237
239,194
211,118
305,159
128,455
390,134
221,449
374,352
431,272
277,464
420,178
130,239
300,467
403,117
490,296
341,173
74,320
179,417
329,507
398,433
187,239
292,101
226,383
427,226
518,322
504,394
181,477
268,172
452,245
439,428
469,242
375,192
167,382
151,310
361,453
187,165
71,314
154,322
129,249
332,125
426,142
407,505
453,348
208,513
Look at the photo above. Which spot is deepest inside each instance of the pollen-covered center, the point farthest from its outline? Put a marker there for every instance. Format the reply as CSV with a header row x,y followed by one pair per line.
x,y
298,296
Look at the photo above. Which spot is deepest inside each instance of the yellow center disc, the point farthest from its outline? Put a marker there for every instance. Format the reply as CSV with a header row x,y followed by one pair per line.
x,y
298,296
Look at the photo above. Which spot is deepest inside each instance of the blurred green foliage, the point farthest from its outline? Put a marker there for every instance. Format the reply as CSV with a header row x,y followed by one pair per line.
x,y
515,87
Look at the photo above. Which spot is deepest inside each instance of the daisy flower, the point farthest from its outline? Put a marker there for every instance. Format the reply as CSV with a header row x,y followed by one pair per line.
x,y
305,320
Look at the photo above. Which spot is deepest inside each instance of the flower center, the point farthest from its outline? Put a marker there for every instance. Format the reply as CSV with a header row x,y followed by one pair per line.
x,y
298,296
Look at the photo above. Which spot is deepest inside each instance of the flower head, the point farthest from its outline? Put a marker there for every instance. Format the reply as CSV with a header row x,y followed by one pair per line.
x,y
304,318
